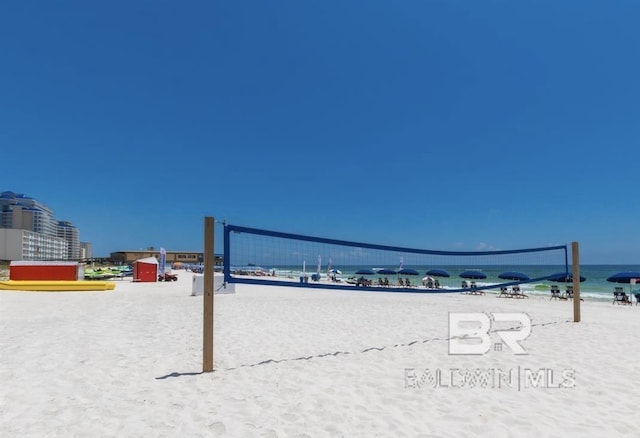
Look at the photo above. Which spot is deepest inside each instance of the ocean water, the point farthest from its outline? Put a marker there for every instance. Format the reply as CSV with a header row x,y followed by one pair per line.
x,y
595,287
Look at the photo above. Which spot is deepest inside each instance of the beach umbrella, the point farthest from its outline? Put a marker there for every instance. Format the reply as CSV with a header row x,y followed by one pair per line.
x,y
407,271
365,272
335,271
386,272
624,277
474,275
564,277
438,273
512,275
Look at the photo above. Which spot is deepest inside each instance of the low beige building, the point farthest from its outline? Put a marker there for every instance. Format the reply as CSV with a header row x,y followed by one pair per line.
x,y
188,257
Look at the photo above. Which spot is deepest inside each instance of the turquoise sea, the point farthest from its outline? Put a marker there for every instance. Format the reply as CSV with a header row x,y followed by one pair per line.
x,y
595,287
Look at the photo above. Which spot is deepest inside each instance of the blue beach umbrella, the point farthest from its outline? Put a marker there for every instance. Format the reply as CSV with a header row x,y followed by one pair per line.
x,y
386,272
624,277
474,275
512,275
407,271
438,273
564,277
365,272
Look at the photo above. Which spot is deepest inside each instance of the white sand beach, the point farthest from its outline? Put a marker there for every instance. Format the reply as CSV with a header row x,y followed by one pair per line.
x,y
294,362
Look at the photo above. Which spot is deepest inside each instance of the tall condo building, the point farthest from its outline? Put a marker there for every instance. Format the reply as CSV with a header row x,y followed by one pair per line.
x,y
29,231
86,250
25,213
70,233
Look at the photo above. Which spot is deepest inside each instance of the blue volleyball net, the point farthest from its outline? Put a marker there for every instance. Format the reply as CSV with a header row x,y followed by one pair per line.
x,y
256,256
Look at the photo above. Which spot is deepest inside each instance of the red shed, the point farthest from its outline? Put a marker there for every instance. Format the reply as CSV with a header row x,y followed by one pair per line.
x,y
145,270
32,270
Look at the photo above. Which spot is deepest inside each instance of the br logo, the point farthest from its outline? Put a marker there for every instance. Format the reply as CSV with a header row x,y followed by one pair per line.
x,y
469,332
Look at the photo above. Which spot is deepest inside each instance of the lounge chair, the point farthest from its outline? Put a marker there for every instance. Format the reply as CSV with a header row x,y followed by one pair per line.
x,y
380,282
569,292
400,282
620,297
637,298
386,282
555,293
429,284
407,282
504,292
474,289
517,293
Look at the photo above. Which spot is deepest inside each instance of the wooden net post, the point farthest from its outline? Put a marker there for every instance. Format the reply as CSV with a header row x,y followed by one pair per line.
x,y
209,261
575,260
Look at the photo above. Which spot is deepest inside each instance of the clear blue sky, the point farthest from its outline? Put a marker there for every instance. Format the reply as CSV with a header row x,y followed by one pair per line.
x,y
450,125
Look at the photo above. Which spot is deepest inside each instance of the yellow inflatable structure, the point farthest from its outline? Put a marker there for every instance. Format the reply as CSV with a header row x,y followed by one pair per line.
x,y
56,285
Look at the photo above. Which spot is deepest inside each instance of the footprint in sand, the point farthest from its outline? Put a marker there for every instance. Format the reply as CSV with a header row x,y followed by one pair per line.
x,y
217,428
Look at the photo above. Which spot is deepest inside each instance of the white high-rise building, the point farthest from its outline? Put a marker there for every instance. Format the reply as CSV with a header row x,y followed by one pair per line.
x,y
24,213
40,236
70,234
86,251
26,245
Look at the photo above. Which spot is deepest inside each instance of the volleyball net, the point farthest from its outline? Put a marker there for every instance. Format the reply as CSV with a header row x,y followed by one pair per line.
x,y
257,256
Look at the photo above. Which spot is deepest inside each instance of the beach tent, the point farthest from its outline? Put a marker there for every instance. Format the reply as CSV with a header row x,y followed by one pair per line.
x,y
145,270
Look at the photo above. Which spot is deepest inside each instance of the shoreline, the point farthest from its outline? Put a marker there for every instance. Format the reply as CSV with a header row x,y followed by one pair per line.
x,y
588,295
